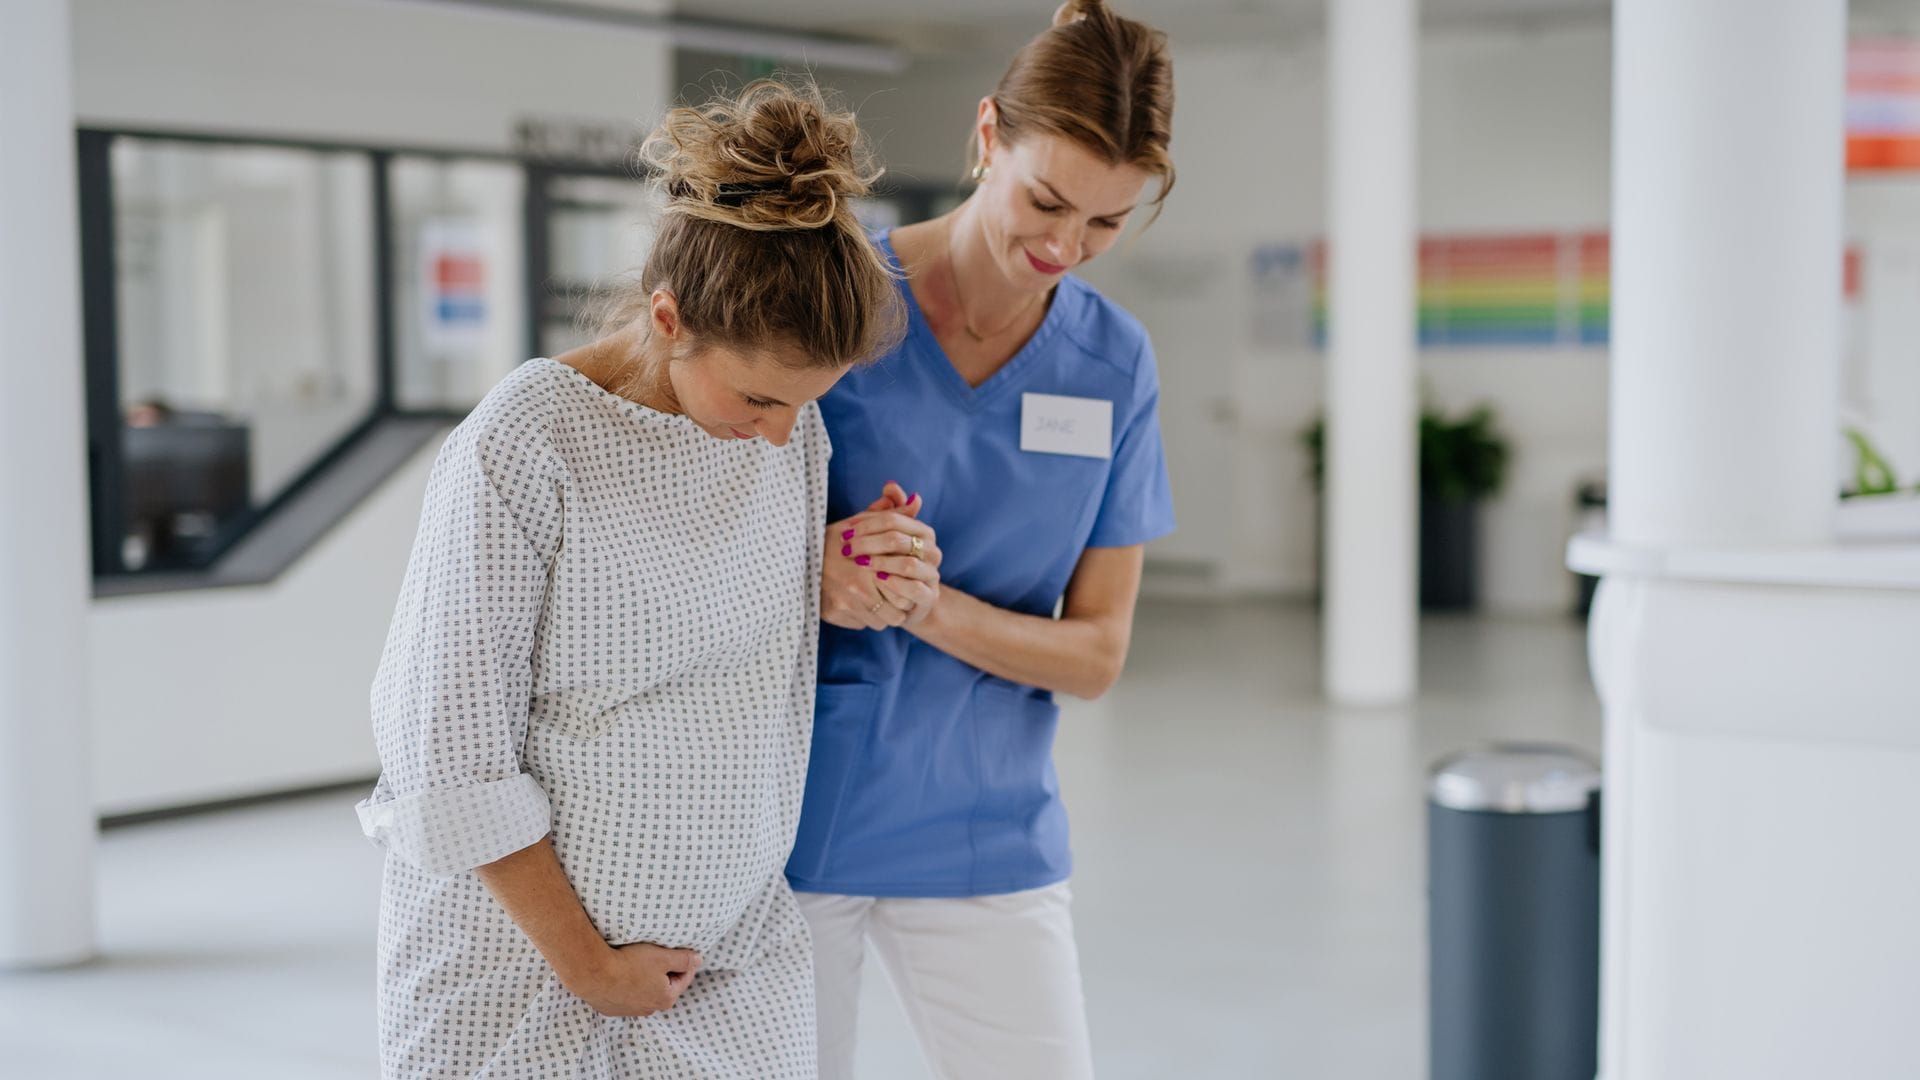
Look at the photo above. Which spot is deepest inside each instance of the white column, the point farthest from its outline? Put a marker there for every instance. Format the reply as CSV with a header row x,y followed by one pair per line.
x,y
1371,496
1728,161
46,808
1743,775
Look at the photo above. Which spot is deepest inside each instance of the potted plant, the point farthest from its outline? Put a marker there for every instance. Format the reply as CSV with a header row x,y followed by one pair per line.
x,y
1463,462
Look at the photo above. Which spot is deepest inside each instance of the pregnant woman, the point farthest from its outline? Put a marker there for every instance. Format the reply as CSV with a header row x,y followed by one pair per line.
x,y
594,705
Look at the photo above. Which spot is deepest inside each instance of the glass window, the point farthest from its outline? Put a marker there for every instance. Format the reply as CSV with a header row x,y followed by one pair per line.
x,y
599,229
459,284
246,330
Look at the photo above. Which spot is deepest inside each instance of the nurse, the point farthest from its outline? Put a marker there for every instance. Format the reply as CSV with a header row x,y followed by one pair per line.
x,y
1012,442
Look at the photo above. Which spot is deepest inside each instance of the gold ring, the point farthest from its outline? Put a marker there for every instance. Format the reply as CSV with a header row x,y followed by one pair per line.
x,y
919,547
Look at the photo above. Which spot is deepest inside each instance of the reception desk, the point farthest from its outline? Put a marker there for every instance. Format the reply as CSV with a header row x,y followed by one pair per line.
x,y
1761,897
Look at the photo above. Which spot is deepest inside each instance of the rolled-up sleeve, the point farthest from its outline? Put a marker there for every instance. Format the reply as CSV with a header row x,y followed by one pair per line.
x,y
451,695
449,831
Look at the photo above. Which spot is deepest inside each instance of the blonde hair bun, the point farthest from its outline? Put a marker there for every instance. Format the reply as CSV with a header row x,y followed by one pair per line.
x,y
757,241
774,157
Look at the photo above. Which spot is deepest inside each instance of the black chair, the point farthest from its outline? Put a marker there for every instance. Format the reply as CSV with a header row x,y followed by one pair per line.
x,y
187,477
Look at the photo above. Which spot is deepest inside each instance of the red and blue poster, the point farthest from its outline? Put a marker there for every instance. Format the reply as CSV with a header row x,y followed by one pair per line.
x,y
453,270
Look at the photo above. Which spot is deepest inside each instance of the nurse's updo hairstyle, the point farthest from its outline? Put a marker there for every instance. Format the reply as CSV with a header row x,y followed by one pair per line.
x,y
757,239
1100,80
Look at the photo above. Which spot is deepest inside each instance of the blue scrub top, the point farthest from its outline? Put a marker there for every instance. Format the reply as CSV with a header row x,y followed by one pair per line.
x,y
928,776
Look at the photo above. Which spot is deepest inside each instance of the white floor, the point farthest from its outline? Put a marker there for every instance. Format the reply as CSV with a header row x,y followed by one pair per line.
x,y
1250,879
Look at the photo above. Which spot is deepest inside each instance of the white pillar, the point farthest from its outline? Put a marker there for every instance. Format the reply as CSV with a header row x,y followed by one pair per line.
x,y
1728,161
1371,498
46,808
1738,767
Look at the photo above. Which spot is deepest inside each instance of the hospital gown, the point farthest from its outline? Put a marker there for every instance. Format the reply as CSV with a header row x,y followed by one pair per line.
x,y
606,632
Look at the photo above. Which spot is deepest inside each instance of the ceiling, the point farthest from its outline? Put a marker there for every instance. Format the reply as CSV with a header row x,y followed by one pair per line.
x,y
932,27
943,26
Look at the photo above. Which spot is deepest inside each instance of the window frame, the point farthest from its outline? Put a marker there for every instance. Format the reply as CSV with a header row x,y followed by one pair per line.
x,y
107,488
107,481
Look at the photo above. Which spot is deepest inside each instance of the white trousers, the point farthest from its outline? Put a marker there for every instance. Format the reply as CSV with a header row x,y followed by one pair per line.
x,y
991,984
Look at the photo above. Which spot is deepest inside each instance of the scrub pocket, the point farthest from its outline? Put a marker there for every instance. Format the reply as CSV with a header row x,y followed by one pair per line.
x,y
843,716
1061,494
1013,729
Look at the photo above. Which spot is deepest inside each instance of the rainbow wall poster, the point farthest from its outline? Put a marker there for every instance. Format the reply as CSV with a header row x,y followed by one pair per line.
x,y
1593,288
1490,290
1525,289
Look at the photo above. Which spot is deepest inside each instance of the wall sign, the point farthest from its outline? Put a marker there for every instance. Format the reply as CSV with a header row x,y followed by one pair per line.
x,y
587,142
453,284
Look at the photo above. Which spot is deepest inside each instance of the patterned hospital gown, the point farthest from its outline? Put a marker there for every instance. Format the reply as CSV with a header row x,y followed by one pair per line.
x,y
607,632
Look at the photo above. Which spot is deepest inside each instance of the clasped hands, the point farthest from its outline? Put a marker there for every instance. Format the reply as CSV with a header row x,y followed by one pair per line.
x,y
882,566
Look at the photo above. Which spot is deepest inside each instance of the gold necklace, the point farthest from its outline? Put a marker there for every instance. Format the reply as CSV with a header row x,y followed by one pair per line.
x,y
966,320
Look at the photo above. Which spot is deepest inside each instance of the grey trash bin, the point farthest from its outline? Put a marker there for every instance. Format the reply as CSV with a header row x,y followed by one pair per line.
x,y
1513,881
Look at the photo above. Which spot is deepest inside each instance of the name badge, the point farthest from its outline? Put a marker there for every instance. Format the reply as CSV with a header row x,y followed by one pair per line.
x,y
1052,424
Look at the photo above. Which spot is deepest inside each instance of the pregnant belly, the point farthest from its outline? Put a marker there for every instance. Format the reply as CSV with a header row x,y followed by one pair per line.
x,y
673,836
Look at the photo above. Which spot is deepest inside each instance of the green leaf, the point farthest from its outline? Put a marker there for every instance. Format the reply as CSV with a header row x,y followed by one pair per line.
x,y
1460,459
1872,475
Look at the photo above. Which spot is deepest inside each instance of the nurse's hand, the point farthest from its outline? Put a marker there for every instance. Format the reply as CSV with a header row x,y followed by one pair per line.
x,y
856,591
638,980
910,585
890,527
850,594
907,581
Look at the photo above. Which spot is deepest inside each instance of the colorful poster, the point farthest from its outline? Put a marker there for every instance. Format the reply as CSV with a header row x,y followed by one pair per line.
x,y
1538,289
1521,289
1491,290
1883,105
453,279
1592,296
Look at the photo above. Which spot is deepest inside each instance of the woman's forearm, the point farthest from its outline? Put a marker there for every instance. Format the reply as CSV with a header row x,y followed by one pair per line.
x,y
533,888
1078,656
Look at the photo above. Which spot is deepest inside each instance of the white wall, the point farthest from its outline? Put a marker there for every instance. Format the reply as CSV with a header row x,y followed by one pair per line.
x,y
1514,133
1882,373
919,119
357,70
226,692
206,695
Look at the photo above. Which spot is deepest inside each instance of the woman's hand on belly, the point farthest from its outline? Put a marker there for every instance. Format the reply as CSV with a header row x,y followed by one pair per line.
x,y
635,980
627,980
871,579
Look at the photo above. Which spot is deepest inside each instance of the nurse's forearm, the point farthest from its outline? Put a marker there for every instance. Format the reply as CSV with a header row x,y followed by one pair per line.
x,y
1078,656
533,888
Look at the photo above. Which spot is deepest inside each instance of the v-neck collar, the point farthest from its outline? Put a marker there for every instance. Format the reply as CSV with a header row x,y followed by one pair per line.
x,y
948,377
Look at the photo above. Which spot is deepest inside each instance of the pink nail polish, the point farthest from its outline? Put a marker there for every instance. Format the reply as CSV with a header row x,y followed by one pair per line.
x,y
863,560
848,535
846,549
915,499
882,575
